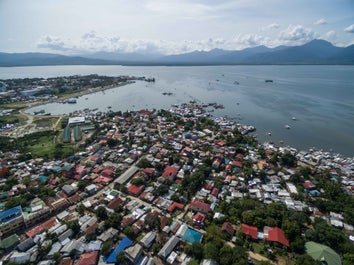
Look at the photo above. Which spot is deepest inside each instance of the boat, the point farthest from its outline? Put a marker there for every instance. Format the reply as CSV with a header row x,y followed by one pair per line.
x,y
269,133
268,81
294,118
71,101
287,126
175,105
39,112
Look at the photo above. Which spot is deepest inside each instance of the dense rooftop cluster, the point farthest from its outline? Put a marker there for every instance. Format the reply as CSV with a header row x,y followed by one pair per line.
x,y
174,187
44,89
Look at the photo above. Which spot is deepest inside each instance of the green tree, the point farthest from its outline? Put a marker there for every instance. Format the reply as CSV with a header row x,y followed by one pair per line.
x,y
121,258
129,232
306,260
101,213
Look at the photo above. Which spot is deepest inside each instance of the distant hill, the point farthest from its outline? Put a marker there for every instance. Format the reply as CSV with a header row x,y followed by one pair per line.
x,y
31,59
313,52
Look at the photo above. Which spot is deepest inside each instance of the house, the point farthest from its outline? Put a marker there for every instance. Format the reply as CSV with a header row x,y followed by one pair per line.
x,y
9,243
199,220
251,231
168,247
25,245
277,235
134,253
116,202
42,227
135,190
309,185
91,189
89,258
170,172
200,206
228,228
148,239
175,205
69,190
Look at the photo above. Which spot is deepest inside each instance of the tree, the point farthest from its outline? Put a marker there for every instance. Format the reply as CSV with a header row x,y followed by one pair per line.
x,y
106,247
306,260
129,232
121,258
197,250
288,159
211,251
101,212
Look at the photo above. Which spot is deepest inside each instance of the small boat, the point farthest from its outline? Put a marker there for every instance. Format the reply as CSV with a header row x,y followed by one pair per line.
x,y
294,118
71,101
287,126
268,81
269,133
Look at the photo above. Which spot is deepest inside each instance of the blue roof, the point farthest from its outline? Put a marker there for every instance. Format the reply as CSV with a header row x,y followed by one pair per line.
x,y
126,242
10,214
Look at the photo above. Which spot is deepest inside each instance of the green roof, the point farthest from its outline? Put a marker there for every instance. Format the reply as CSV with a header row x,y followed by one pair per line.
x,y
9,242
322,253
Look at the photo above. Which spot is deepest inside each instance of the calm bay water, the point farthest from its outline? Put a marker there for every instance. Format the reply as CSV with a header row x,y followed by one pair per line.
x,y
320,97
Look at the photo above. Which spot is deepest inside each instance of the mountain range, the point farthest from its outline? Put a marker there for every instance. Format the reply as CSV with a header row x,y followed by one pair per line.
x,y
313,52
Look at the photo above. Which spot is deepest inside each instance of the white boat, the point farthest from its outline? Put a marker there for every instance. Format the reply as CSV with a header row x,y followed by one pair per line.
x,y
287,126
294,118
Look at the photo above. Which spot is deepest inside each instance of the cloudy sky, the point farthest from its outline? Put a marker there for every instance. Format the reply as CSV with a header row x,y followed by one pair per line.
x,y
170,26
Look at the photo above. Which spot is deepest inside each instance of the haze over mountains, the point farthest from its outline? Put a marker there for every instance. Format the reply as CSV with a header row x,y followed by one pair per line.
x,y
313,52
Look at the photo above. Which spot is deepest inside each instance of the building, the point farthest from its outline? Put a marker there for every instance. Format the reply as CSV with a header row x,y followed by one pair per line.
x,y
168,247
11,220
148,239
170,172
200,206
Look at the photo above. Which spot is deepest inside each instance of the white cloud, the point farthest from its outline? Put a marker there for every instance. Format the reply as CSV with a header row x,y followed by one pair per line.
x,y
296,34
52,43
321,21
349,29
271,26
330,36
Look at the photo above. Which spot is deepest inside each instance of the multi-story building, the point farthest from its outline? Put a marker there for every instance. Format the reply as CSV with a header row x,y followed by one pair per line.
x,y
11,220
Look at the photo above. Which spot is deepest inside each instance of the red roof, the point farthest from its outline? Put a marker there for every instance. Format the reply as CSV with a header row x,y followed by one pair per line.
x,y
88,258
237,163
170,172
149,170
200,206
114,203
207,186
215,192
200,218
66,261
277,235
175,205
108,172
309,185
41,227
240,156
250,230
136,190
102,179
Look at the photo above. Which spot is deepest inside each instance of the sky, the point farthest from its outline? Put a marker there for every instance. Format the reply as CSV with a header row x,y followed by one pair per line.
x,y
170,26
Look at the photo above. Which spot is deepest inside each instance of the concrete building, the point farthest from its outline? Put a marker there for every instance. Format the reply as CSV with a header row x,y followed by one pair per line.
x,y
11,220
